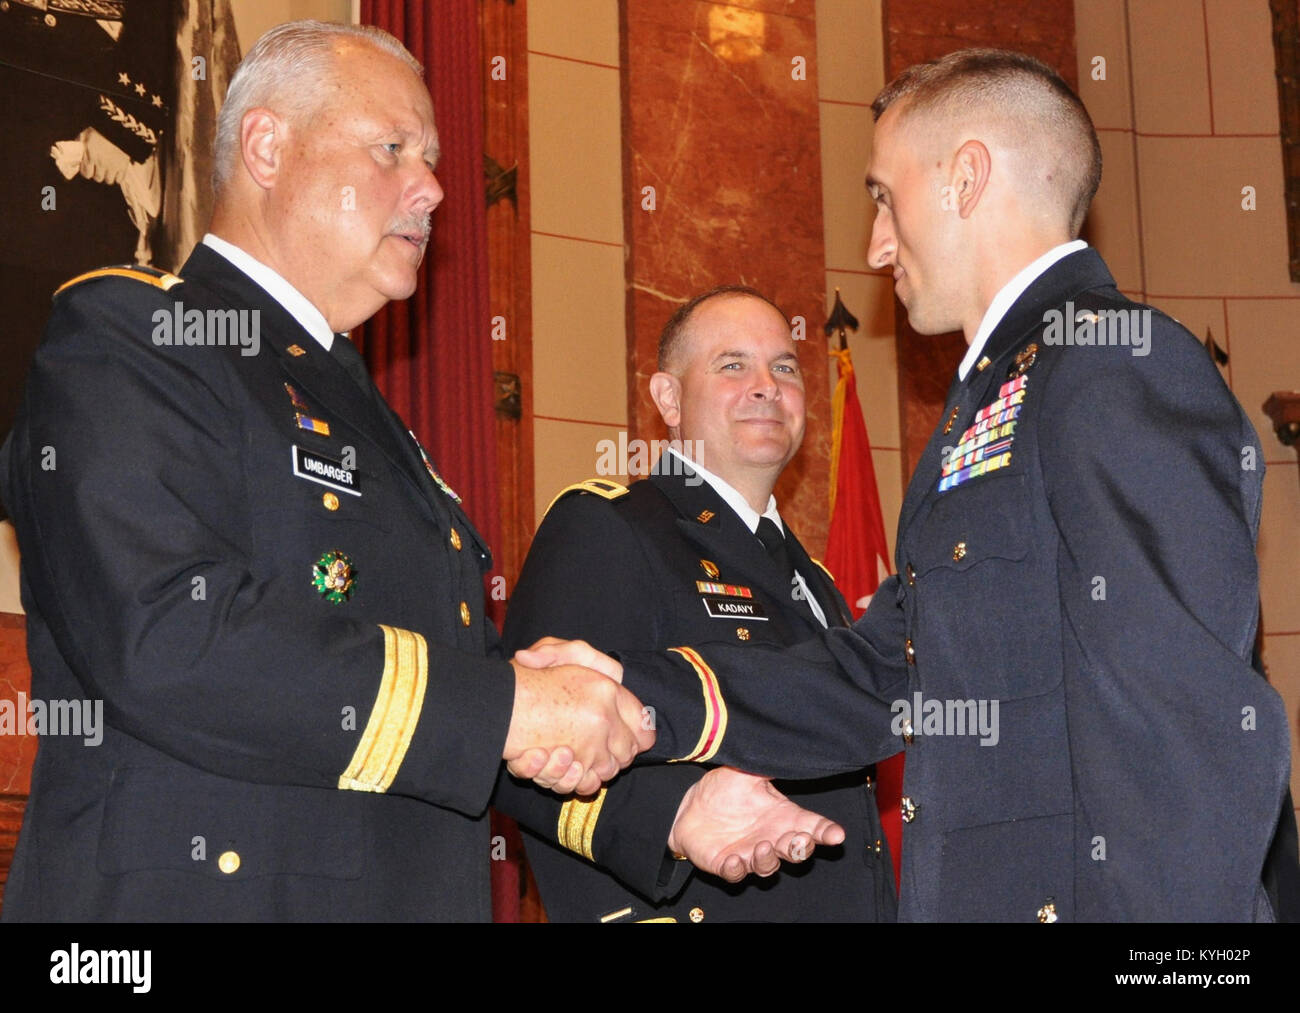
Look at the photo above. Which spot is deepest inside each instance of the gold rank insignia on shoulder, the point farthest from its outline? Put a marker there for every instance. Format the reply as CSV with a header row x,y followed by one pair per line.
x,y
709,567
296,350
601,487
1025,358
704,516
334,577
135,272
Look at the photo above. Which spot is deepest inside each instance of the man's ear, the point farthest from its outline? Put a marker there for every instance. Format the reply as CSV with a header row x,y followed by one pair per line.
x,y
971,168
262,135
666,392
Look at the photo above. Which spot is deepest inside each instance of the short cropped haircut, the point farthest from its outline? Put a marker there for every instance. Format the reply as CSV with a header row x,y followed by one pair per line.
x,y
673,338
1027,92
287,69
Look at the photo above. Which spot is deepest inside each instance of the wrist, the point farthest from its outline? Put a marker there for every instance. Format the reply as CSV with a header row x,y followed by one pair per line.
x,y
519,708
687,799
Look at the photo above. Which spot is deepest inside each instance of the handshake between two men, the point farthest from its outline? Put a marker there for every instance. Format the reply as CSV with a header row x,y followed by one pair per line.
x,y
575,727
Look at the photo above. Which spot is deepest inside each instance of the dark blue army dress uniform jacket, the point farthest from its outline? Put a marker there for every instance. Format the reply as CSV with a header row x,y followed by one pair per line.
x,y
663,564
1078,598
244,557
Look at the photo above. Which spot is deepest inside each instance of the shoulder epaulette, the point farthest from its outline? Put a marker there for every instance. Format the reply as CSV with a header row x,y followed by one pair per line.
x,y
822,566
597,486
139,272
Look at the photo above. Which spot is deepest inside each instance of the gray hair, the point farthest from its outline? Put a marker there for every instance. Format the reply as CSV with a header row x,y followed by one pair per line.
x,y
287,69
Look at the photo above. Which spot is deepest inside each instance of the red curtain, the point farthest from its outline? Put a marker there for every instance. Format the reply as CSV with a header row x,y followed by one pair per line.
x,y
431,355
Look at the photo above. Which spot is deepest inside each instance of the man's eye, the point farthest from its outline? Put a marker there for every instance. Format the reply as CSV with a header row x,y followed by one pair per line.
x,y
392,147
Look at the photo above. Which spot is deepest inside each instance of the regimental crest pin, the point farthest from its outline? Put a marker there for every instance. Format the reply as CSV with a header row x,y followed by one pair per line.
x,y
1025,358
334,576
710,567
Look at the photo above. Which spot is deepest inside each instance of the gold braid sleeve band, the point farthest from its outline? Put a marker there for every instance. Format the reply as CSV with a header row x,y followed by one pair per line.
x,y
395,714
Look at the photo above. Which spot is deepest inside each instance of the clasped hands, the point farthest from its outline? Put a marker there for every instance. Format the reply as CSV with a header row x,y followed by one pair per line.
x,y
574,727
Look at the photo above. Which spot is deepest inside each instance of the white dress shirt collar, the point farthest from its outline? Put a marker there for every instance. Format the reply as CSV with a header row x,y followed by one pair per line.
x,y
1006,298
751,517
731,497
295,303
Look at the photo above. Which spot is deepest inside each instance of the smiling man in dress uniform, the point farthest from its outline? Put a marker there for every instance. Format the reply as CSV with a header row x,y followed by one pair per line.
x,y
698,552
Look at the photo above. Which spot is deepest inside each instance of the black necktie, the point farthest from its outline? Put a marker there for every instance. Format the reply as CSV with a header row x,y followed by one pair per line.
x,y
348,356
350,359
770,535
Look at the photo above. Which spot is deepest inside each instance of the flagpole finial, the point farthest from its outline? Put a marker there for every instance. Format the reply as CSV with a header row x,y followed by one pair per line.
x,y
840,321
1216,353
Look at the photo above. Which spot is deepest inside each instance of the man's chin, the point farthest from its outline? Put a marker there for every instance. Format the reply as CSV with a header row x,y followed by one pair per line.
x,y
397,286
922,324
770,453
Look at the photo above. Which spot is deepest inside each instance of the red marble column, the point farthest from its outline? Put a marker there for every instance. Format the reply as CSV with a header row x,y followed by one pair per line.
x,y
720,117
919,30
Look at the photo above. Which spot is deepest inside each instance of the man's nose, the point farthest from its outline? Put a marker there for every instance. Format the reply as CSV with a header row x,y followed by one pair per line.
x,y
765,386
880,253
428,192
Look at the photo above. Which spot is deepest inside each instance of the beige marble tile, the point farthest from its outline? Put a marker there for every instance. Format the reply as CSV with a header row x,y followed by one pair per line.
x,y
1198,238
1279,549
10,600
847,209
850,50
1264,344
575,148
1243,83
579,29
1170,78
579,327
1112,223
1099,31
